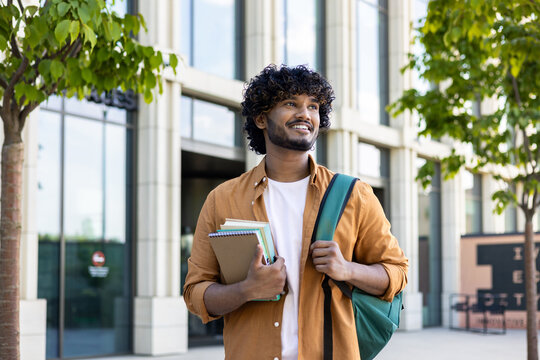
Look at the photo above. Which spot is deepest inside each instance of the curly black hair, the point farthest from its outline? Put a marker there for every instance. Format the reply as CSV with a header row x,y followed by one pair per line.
x,y
275,84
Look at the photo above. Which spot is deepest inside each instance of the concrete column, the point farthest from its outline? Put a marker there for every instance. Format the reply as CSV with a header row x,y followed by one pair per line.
x,y
160,324
261,46
339,159
33,311
404,219
452,199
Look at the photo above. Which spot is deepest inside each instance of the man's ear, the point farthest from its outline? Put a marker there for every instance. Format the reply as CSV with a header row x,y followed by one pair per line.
x,y
260,121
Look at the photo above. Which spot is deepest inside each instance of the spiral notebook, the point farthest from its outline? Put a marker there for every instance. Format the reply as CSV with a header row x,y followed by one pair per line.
x,y
234,251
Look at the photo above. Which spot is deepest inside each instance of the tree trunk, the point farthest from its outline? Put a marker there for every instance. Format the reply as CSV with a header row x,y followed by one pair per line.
x,y
10,234
530,291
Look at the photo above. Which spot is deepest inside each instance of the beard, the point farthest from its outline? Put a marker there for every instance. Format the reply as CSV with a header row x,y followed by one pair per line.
x,y
278,137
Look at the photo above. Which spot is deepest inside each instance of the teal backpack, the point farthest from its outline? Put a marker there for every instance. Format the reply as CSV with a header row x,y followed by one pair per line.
x,y
376,320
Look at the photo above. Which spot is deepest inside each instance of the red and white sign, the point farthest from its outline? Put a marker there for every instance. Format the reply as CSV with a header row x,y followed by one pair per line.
x,y
98,258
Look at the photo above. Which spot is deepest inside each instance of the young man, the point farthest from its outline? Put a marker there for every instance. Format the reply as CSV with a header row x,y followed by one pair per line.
x,y
285,108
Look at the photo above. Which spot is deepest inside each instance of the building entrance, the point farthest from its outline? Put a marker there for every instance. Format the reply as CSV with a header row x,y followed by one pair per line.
x,y
200,175
84,227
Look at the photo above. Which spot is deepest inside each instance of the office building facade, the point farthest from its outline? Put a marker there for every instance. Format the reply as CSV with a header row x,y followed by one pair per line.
x,y
113,186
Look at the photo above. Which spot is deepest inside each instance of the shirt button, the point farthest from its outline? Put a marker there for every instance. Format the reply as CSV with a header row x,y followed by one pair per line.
x,y
253,203
264,178
255,184
276,358
276,324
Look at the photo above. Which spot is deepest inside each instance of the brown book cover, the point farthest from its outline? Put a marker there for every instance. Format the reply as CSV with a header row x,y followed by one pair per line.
x,y
234,251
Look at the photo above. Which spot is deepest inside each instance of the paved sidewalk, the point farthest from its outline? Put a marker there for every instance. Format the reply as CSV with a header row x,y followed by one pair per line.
x,y
427,344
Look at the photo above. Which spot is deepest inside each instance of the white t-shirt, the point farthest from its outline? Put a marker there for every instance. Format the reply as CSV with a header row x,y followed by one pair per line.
x,y
285,203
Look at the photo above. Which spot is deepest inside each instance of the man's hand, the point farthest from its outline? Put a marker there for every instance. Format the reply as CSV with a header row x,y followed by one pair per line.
x,y
328,259
264,281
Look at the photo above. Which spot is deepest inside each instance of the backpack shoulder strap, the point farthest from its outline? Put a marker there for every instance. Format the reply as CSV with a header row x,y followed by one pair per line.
x,y
332,206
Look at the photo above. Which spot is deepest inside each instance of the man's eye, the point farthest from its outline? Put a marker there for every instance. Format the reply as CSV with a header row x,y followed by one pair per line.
x,y
290,103
314,107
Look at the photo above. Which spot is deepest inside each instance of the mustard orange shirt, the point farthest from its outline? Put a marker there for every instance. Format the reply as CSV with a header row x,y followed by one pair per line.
x,y
253,330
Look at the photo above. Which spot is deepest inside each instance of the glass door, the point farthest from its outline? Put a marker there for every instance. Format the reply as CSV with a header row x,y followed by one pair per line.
x,y
84,227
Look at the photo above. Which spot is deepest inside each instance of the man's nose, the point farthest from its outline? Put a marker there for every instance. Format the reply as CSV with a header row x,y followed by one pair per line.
x,y
303,113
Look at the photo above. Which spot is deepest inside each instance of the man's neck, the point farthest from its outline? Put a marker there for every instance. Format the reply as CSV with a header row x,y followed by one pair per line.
x,y
287,166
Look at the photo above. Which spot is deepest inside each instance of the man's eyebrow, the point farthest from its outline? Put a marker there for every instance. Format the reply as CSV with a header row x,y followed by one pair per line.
x,y
295,97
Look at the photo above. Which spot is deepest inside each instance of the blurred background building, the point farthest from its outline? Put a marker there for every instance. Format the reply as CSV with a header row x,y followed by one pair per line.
x,y
113,187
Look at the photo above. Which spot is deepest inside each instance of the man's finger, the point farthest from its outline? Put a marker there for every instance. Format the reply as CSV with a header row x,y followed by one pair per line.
x,y
258,256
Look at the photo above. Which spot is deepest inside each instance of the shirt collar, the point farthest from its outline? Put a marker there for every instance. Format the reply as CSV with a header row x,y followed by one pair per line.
x,y
260,177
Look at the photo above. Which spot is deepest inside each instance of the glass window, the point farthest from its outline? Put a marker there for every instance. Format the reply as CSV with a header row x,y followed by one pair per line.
x,y
83,182
429,247
473,202
303,33
373,161
372,60
510,219
208,122
186,109
83,177
211,36
48,202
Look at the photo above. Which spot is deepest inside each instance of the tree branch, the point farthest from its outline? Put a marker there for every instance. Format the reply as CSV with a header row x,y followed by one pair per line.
x,y
31,106
10,89
3,82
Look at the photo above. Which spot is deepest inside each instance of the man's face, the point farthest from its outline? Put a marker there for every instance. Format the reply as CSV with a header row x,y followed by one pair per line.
x,y
293,123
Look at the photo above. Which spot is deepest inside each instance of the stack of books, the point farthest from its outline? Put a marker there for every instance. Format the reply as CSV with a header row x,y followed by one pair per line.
x,y
234,245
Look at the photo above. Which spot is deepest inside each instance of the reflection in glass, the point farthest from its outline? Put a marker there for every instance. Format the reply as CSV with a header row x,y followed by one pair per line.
x,y
213,123
510,219
472,184
373,161
48,222
302,39
186,18
372,62
84,108
115,184
83,176
186,115
95,213
210,38
429,243
53,102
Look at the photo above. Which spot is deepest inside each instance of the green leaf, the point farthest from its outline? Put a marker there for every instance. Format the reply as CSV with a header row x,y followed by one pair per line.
x,y
148,97
89,35
143,23
74,30
57,69
84,14
32,9
116,31
32,36
3,43
173,61
61,31
156,60
87,75
44,67
148,51
63,8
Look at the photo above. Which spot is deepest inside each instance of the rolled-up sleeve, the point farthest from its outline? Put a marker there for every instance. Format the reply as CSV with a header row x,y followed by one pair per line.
x,y
203,267
377,245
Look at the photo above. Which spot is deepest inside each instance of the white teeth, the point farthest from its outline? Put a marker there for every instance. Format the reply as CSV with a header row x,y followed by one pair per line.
x,y
302,127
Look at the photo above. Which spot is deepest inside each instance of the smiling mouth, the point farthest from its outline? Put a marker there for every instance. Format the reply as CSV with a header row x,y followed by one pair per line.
x,y
301,127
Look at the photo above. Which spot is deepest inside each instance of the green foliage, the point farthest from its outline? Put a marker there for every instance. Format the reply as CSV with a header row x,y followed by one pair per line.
x,y
477,50
73,47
